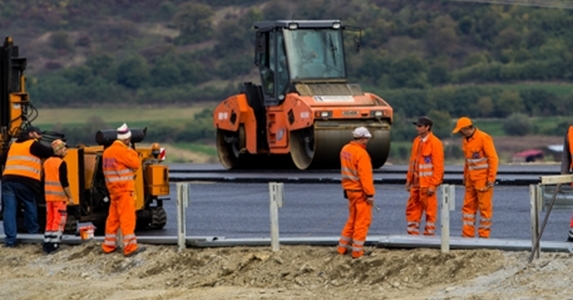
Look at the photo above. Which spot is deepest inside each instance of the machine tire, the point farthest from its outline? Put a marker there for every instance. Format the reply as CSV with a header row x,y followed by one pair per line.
x,y
230,146
71,224
158,218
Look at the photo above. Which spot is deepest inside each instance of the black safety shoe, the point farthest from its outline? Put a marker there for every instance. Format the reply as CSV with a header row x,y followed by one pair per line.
x,y
55,247
570,237
46,247
138,250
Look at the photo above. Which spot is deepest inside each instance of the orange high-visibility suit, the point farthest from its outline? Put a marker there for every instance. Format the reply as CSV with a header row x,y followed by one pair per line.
x,y
480,170
358,185
426,171
119,164
55,180
567,166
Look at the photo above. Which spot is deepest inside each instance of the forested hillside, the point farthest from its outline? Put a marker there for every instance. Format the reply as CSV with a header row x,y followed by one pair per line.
x,y
441,58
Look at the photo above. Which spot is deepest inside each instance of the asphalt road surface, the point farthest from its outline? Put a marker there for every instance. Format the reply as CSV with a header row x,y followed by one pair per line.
x,y
239,210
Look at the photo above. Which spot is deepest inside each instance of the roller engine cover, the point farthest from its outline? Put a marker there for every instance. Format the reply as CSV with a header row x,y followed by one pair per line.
x,y
106,137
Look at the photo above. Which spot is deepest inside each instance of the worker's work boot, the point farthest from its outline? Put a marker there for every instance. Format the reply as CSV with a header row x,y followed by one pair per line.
x,y
54,248
47,247
138,250
570,236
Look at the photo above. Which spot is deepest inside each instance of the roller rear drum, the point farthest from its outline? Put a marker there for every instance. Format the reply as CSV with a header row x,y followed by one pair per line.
x,y
319,146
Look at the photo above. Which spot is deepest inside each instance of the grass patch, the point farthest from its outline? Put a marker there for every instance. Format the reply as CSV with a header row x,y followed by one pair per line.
x,y
493,127
138,116
198,148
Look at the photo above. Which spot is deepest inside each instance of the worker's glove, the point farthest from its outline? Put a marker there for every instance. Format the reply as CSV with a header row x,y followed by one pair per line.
x,y
431,191
345,195
488,186
408,187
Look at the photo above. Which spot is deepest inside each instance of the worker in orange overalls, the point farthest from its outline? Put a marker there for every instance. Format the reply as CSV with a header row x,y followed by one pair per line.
x,y
566,167
480,169
58,196
358,186
119,165
425,174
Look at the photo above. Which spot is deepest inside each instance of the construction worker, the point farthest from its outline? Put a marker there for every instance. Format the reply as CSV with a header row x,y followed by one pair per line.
x,y
358,186
58,196
566,167
119,165
425,174
22,182
480,169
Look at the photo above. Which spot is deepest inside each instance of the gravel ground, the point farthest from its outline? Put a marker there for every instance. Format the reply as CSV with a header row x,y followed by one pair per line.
x,y
294,272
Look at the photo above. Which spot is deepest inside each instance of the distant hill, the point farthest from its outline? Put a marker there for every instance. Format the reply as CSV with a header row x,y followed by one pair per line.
x,y
450,57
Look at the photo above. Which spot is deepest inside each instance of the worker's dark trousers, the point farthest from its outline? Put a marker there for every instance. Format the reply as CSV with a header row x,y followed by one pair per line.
x,y
12,192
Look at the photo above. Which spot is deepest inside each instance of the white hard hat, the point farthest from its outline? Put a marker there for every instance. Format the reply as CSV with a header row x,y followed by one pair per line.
x,y
361,132
123,132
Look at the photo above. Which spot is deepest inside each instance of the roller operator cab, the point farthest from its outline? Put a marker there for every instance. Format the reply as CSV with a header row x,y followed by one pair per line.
x,y
304,111
85,172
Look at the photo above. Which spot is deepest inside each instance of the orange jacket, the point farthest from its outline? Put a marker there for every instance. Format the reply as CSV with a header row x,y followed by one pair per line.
x,y
481,157
53,190
119,165
570,141
356,168
21,162
426,162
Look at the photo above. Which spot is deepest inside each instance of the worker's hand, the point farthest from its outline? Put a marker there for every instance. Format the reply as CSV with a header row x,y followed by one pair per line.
x,y
370,200
489,184
408,187
431,191
70,201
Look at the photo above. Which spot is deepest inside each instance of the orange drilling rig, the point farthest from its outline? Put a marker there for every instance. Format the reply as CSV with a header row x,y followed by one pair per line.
x,y
87,183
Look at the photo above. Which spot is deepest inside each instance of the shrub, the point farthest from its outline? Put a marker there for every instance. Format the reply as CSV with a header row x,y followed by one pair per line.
x,y
517,125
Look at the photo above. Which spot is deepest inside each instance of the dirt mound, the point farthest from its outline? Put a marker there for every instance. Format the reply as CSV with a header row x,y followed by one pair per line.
x,y
294,272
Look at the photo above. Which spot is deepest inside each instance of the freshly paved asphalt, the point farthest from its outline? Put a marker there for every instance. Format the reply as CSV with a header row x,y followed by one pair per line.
x,y
241,210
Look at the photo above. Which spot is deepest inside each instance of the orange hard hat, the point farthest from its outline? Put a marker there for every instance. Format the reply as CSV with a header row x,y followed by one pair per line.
x,y
462,122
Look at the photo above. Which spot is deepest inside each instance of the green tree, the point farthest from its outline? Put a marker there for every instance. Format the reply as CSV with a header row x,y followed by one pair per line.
x,y
80,75
486,107
507,38
438,74
539,102
442,120
133,72
102,65
165,73
442,98
61,41
517,125
507,103
231,34
277,10
442,37
194,23
408,72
